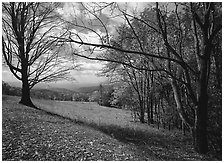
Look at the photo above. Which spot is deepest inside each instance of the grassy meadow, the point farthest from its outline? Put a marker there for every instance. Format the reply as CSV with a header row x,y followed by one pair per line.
x,y
92,113
145,142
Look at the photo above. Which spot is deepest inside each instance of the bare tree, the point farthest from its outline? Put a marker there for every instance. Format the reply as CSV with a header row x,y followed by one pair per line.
x,y
30,53
175,56
206,25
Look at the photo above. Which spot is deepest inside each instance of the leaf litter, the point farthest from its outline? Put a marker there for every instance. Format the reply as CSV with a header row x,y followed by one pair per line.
x,y
29,134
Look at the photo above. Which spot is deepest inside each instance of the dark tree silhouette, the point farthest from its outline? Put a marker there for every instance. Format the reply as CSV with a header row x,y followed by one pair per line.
x,y
31,55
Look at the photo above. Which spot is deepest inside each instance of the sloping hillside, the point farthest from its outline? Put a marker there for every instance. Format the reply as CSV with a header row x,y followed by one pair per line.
x,y
30,134
85,131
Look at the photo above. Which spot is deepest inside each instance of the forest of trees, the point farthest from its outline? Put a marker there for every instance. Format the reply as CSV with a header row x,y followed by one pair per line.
x,y
165,61
168,45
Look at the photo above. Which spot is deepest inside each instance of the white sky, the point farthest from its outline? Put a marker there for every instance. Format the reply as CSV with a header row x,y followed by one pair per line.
x,y
89,69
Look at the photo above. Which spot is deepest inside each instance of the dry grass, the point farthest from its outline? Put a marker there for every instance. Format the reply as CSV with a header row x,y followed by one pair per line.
x,y
33,135
150,142
90,112
160,143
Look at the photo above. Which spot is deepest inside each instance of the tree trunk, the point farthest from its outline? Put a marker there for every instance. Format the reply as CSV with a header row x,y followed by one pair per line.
x,y
151,110
218,71
181,112
201,142
209,32
25,98
142,112
183,127
151,101
199,127
148,112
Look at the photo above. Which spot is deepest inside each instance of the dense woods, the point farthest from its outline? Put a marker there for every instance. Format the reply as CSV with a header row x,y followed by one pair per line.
x,y
163,63
168,44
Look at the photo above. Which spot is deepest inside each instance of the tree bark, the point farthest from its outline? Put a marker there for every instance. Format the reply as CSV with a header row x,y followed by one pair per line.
x,y
183,128
218,64
151,110
201,142
25,98
142,112
206,26
199,126
179,106
148,111
151,101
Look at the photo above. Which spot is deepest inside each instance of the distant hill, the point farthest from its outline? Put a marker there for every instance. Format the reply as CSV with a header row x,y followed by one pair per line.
x,y
62,90
56,93
88,89
93,88
72,86
48,93
15,84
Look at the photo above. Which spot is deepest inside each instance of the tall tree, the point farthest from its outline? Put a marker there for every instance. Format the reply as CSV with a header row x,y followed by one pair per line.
x,y
206,24
31,55
183,50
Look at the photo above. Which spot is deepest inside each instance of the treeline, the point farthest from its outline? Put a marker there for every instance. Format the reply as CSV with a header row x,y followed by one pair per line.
x,y
168,64
169,57
158,108
169,67
38,93
166,59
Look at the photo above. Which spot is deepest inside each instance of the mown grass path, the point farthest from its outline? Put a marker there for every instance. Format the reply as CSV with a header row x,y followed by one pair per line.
x,y
30,134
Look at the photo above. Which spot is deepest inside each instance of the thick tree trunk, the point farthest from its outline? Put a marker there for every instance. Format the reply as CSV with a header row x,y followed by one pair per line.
x,y
199,126
201,142
25,99
209,31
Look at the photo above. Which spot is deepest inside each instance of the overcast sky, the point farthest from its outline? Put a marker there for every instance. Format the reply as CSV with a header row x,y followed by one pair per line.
x,y
89,69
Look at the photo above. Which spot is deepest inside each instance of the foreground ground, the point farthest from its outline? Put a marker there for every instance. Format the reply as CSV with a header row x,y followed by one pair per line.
x,y
85,132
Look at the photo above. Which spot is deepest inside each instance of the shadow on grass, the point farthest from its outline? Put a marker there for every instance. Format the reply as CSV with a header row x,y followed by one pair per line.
x,y
161,146
152,144
157,145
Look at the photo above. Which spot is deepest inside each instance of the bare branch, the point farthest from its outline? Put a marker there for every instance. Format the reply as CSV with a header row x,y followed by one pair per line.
x,y
29,51
116,61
